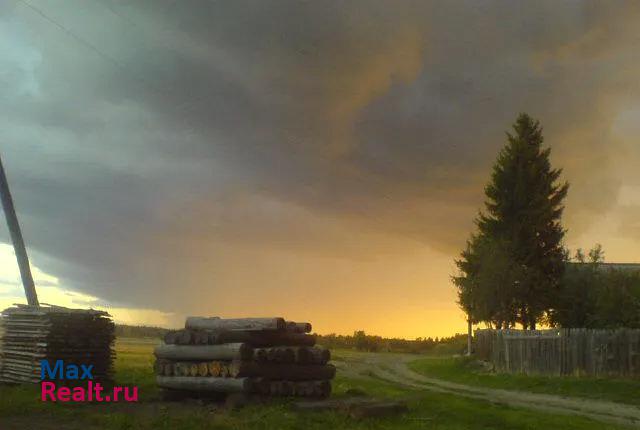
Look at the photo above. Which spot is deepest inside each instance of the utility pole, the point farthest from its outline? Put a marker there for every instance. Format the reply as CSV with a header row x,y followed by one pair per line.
x,y
18,241
469,336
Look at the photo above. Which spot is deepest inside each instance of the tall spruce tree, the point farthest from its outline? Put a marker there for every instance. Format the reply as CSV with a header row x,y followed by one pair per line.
x,y
511,268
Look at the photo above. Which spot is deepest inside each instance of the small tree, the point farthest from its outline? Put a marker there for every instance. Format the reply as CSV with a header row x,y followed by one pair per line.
x,y
575,303
360,340
594,296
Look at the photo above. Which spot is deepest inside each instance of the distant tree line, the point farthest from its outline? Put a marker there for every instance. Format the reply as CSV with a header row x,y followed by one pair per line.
x,y
139,331
361,341
515,268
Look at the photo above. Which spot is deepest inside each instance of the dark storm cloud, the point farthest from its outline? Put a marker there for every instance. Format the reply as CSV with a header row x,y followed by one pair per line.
x,y
153,146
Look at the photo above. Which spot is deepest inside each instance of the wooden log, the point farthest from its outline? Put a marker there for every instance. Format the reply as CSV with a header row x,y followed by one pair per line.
x,y
378,409
224,370
312,389
201,337
214,368
290,372
272,355
170,337
186,369
297,389
183,337
277,388
216,323
203,369
322,389
362,407
261,385
187,337
315,389
168,369
172,394
262,338
229,351
304,389
321,405
277,354
193,369
298,327
181,369
305,355
213,338
285,355
221,385
261,355
288,388
273,389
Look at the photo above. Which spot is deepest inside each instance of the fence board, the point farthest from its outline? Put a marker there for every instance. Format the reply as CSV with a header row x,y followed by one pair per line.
x,y
576,351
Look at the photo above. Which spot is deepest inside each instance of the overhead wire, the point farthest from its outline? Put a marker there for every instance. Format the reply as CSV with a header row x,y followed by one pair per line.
x,y
181,106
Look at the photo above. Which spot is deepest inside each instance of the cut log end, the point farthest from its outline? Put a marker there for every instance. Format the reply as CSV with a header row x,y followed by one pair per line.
x,y
299,327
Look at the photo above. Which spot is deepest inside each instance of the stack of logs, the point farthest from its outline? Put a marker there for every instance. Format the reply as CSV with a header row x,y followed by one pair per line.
x,y
262,356
35,333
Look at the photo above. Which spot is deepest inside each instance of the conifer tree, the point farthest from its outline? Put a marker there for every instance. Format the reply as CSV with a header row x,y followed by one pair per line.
x,y
511,268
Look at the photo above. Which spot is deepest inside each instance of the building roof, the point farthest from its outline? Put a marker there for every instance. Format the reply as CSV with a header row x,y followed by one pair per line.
x,y
626,267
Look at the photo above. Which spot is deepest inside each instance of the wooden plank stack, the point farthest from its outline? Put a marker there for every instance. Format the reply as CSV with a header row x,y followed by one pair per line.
x,y
35,333
261,356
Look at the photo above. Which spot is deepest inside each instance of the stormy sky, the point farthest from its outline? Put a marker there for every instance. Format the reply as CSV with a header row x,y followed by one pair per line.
x,y
319,160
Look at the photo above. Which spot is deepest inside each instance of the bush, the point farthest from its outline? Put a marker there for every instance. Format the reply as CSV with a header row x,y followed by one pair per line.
x,y
594,296
363,342
139,331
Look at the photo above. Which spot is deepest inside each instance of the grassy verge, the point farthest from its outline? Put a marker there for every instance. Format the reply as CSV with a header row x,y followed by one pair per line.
x,y
20,407
464,370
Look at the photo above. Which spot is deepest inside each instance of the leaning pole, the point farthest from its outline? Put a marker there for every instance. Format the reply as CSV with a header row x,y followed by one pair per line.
x,y
18,241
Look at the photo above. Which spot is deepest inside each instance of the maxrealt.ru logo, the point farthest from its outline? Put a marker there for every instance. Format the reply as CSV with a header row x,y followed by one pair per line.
x,y
52,391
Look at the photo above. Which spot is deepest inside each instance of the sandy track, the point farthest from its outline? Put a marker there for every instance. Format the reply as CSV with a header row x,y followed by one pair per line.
x,y
393,368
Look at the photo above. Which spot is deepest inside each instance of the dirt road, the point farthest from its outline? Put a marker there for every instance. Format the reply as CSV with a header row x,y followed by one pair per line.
x,y
393,368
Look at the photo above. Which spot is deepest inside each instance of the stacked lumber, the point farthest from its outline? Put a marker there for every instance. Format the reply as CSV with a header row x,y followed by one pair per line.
x,y
31,334
262,356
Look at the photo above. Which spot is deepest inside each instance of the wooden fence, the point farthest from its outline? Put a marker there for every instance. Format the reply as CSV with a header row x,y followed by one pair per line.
x,y
561,351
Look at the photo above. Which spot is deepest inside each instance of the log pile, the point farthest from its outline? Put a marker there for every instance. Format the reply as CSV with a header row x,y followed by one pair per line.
x,y
35,333
260,356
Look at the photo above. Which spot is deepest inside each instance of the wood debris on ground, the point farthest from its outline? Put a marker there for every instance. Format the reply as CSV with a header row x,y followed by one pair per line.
x,y
355,407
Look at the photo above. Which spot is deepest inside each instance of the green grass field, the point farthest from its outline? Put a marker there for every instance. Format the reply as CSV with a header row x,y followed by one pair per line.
x,y
21,408
464,371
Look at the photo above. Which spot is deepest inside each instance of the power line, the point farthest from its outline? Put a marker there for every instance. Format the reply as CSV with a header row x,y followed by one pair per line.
x,y
73,35
114,62
182,107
